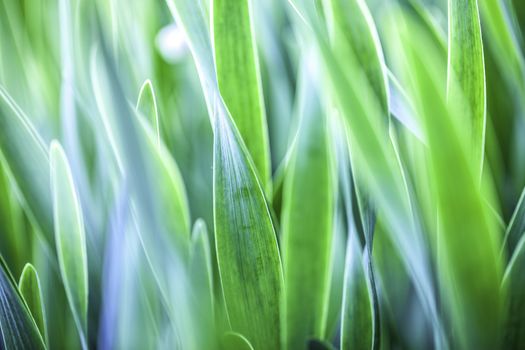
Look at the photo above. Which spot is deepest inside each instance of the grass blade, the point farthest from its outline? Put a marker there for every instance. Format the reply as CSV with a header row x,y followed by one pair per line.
x,y
70,238
239,77
29,286
247,252
473,301
467,67
19,330
357,323
308,212
202,278
147,105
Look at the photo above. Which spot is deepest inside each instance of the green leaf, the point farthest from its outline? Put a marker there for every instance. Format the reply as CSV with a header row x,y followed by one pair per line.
x,y
516,227
307,216
19,330
235,341
170,190
29,286
247,252
70,238
239,77
466,72
357,323
147,105
469,266
200,270
27,156
514,283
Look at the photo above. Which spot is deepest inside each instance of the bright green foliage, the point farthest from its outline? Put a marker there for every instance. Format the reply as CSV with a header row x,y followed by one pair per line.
x,y
473,299
29,286
247,252
357,324
239,78
69,237
375,146
466,72
307,215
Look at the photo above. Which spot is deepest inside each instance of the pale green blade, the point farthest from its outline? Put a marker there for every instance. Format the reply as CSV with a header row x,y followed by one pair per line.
x,y
469,264
18,329
29,286
247,252
70,238
147,105
514,283
357,323
235,341
307,216
201,272
466,73
239,78
27,157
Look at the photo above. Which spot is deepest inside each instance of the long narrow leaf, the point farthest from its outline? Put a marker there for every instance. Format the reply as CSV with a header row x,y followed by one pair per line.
x,y
467,67
239,78
70,238
247,252
29,286
308,212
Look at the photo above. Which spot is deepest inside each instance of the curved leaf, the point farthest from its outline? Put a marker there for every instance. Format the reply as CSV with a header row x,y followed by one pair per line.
x,y
29,286
18,329
147,105
247,252
70,238
239,78
235,341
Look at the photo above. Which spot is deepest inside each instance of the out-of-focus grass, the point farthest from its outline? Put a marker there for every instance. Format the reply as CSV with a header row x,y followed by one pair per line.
x,y
229,174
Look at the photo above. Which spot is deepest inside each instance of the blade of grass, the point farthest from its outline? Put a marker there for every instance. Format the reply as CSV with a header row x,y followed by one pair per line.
x,y
29,287
70,238
308,212
202,277
470,277
466,65
357,323
147,105
247,252
19,330
239,78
